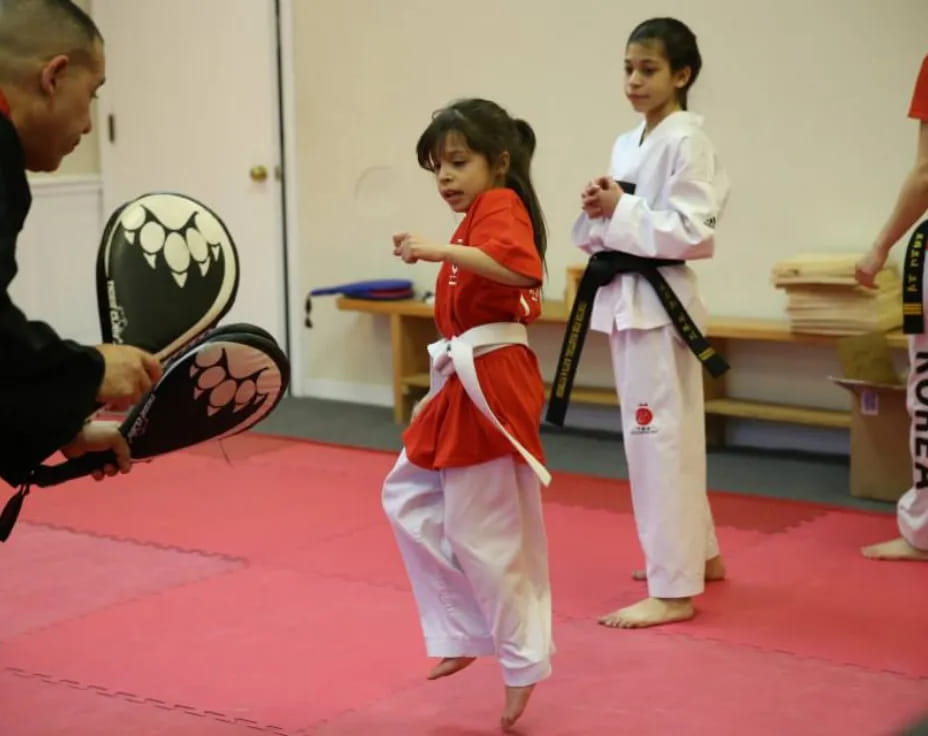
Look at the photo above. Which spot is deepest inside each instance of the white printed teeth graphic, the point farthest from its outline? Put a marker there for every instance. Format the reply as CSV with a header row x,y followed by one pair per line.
x,y
222,387
179,250
198,250
133,217
177,256
211,229
152,240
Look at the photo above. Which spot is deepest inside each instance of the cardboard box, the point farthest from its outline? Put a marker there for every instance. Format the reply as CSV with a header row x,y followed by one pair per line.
x,y
881,460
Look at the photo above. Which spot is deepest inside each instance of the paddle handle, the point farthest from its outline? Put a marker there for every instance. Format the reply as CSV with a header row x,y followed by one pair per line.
x,y
51,475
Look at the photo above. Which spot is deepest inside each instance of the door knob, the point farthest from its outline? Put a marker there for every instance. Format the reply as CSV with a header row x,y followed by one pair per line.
x,y
258,173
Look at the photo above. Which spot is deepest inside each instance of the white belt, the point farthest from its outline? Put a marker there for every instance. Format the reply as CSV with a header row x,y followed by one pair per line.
x,y
457,356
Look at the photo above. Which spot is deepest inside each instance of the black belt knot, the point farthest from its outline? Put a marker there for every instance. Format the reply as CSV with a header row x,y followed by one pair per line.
x,y
601,269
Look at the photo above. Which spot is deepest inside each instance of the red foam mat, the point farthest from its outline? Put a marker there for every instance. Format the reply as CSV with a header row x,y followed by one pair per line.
x,y
619,682
268,595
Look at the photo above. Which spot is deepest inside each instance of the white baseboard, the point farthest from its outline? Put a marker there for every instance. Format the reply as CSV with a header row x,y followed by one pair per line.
x,y
355,393
769,436
739,432
56,185
597,418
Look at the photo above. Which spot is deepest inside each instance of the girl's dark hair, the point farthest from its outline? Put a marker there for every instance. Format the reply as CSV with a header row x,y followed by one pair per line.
x,y
679,46
489,130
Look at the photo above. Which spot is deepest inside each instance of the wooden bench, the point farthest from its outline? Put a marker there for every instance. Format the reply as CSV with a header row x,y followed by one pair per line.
x,y
412,328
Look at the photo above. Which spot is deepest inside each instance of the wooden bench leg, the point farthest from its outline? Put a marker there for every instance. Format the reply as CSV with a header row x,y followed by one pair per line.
x,y
396,342
410,337
714,388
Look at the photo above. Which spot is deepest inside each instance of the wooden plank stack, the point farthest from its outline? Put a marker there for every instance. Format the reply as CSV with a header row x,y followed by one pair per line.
x,y
824,298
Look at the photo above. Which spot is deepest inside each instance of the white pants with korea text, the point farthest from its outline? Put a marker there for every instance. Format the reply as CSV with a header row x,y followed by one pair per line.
x,y
475,549
659,383
913,506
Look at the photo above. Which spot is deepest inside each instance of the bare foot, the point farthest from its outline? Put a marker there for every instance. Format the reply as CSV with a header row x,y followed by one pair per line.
x,y
715,570
516,700
450,665
650,612
897,549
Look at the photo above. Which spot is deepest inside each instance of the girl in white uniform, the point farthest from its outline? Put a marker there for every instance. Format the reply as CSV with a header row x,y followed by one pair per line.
x,y
680,193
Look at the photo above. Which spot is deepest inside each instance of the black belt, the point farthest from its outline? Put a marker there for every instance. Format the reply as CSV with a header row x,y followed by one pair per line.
x,y
913,310
601,269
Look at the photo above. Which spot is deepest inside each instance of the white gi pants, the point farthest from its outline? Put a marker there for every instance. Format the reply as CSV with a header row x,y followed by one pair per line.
x,y
473,538
912,509
659,382
474,545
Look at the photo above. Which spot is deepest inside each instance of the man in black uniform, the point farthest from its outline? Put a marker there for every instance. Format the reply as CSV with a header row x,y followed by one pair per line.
x,y
51,64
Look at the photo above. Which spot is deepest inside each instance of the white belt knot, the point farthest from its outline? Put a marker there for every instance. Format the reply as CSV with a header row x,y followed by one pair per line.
x,y
457,356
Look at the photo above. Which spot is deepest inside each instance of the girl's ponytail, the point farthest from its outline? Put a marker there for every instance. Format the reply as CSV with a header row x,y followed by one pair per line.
x,y
526,135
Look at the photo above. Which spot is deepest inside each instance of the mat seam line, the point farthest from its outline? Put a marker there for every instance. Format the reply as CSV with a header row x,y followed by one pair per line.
x,y
136,699
566,618
139,542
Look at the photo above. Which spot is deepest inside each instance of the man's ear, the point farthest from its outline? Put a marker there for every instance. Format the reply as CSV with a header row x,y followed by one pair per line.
x,y
52,73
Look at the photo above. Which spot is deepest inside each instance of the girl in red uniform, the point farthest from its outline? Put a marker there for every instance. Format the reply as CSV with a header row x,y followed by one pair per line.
x,y
464,497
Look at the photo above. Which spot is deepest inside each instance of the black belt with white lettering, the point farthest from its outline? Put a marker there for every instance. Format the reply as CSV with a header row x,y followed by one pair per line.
x,y
602,268
913,309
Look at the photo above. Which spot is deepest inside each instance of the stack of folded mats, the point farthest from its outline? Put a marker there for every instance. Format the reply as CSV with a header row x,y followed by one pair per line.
x,y
824,298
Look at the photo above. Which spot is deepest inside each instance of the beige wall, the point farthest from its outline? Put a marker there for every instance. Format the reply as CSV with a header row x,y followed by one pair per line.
x,y
806,102
86,157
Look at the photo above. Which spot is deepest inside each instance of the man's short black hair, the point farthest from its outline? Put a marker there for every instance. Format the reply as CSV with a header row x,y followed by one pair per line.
x,y
33,31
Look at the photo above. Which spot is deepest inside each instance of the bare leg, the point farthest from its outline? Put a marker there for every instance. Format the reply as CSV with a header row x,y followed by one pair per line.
x,y
664,438
495,527
452,622
450,665
912,509
895,549
516,700
650,612
715,570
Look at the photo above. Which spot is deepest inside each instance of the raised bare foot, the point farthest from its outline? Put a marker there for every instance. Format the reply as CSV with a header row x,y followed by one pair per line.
x,y
516,700
897,549
650,612
715,570
450,665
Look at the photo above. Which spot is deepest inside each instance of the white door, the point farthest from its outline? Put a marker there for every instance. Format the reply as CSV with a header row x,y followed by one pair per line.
x,y
191,105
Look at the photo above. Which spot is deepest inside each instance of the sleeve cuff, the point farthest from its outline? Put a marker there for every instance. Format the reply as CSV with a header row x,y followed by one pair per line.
x,y
514,259
625,207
